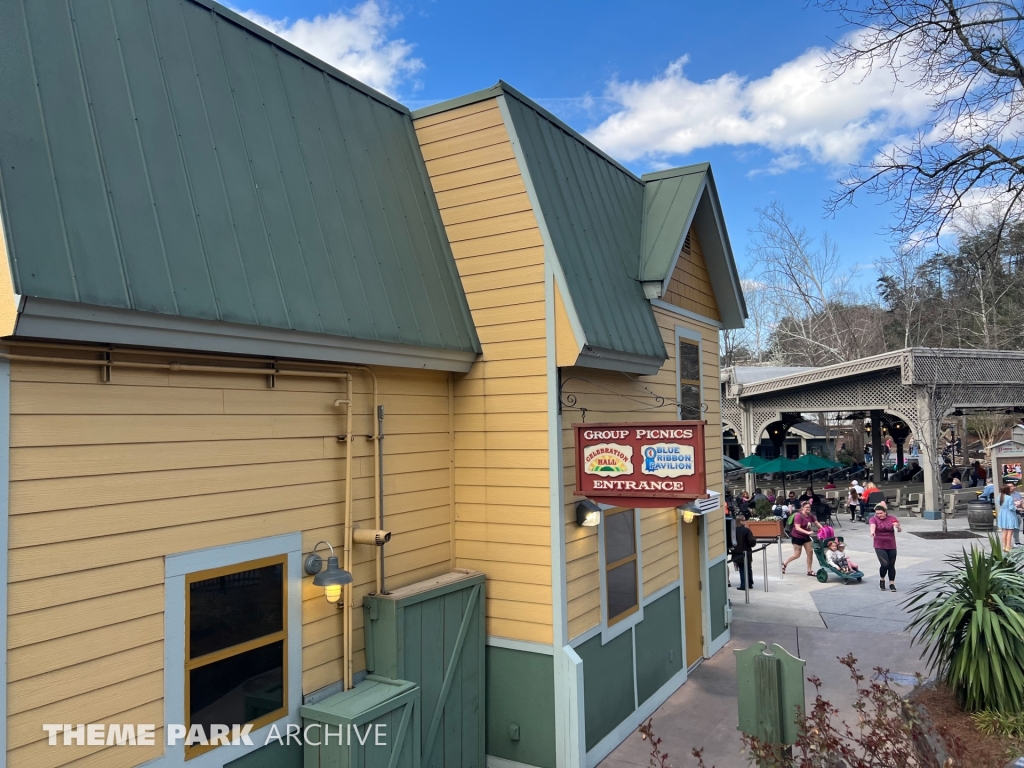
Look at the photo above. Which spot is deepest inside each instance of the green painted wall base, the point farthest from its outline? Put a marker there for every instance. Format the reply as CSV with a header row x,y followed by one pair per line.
x,y
607,684
521,706
718,584
659,645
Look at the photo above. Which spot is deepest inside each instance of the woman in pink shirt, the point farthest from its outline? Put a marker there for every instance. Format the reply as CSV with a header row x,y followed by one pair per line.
x,y
883,536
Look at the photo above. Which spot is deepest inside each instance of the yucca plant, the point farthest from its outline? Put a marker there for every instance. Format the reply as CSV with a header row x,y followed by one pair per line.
x,y
970,620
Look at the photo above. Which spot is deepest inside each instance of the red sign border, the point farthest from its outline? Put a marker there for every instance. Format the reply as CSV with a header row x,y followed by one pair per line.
x,y
647,499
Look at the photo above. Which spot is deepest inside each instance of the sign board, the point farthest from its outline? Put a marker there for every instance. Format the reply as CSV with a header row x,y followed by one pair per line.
x,y
658,464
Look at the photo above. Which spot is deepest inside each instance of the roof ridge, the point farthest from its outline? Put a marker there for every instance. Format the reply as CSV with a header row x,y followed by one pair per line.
x,y
682,170
236,18
561,124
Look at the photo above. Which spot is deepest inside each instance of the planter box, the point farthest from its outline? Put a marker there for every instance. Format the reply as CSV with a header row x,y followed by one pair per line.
x,y
765,529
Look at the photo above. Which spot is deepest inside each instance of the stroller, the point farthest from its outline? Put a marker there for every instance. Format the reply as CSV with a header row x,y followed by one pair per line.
x,y
826,568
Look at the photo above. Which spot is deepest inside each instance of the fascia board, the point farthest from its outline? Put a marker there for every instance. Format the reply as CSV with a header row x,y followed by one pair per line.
x,y
67,321
682,237
613,360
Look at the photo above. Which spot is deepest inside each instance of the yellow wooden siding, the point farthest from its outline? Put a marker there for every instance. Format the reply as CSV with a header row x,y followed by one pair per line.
x,y
711,373
107,479
567,346
8,304
690,286
502,518
602,394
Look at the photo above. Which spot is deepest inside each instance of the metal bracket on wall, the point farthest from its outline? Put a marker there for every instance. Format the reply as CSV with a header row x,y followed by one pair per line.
x,y
105,370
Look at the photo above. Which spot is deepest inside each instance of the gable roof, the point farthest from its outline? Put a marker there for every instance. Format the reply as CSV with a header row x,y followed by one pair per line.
x,y
593,211
613,231
176,159
675,200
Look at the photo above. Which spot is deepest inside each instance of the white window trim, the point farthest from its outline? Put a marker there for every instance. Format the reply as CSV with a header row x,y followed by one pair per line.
x,y
683,332
610,632
176,567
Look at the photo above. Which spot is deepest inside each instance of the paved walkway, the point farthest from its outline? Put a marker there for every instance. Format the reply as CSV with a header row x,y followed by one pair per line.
x,y
817,622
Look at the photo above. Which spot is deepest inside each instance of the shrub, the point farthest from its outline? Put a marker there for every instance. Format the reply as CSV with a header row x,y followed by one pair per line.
x,y
970,621
762,510
882,739
1000,724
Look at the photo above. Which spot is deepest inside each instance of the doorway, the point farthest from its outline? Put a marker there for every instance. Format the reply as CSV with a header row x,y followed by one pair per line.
x,y
693,615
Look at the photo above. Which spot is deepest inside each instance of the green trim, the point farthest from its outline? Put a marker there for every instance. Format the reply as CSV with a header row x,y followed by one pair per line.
x,y
682,170
458,101
502,87
608,690
521,692
659,645
718,596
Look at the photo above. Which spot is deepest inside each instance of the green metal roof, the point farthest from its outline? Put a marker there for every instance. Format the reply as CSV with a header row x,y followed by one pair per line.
x,y
675,200
669,204
593,209
172,157
614,233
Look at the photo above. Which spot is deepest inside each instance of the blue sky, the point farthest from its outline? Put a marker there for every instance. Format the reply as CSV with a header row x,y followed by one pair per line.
x,y
750,96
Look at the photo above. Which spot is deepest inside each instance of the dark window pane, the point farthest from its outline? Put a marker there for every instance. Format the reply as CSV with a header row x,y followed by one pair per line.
x,y
689,362
232,609
238,689
621,583
619,536
689,402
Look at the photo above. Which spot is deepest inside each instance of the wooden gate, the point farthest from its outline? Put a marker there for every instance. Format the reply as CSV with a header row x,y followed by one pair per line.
x,y
432,633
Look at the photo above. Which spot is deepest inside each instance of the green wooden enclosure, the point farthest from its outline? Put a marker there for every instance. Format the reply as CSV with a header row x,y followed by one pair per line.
x,y
376,724
432,633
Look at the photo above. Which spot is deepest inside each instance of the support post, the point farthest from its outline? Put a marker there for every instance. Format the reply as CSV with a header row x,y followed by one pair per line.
x,y
876,446
899,451
929,423
749,442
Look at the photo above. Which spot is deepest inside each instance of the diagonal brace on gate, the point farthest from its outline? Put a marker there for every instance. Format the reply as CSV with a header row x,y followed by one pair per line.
x,y
449,675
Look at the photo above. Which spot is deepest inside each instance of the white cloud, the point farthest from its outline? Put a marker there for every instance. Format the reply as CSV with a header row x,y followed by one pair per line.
x,y
356,42
796,111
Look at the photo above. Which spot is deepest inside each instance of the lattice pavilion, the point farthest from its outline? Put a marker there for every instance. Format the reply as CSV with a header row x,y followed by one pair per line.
x,y
911,390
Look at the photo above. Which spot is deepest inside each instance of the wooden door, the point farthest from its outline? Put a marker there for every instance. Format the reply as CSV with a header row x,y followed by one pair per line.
x,y
692,613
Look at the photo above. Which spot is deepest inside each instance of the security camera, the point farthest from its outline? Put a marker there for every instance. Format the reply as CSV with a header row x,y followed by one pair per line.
x,y
372,537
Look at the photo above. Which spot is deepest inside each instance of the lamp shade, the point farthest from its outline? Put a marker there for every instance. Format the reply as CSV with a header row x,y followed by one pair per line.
x,y
332,579
588,514
688,512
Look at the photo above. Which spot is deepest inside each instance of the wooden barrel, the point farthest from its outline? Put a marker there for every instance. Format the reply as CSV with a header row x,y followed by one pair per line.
x,y
979,515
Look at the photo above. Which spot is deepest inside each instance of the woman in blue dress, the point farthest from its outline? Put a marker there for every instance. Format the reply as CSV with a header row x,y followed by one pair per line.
x,y
1007,517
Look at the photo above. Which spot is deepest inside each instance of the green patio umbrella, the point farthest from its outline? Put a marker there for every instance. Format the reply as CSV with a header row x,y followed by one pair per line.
x,y
781,465
753,461
811,461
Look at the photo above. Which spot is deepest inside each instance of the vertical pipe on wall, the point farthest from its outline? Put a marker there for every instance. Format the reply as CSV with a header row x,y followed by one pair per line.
x,y
347,629
381,590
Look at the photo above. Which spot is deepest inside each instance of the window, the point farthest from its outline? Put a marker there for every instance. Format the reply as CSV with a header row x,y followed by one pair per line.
x,y
689,381
236,645
620,571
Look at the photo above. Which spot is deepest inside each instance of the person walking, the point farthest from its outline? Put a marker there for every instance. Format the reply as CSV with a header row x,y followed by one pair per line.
x,y
804,525
883,537
1006,519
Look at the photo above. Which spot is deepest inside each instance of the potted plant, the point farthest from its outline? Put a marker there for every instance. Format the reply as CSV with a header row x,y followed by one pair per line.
x,y
763,522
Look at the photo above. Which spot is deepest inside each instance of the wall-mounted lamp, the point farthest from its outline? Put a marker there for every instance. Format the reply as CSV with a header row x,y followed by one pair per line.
x,y
588,514
689,511
332,579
